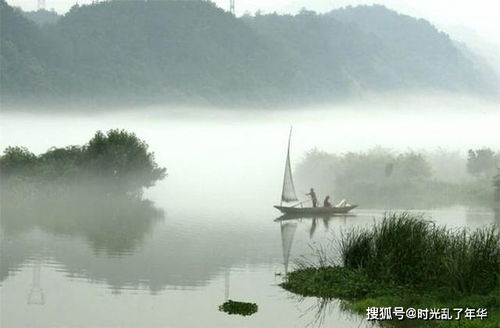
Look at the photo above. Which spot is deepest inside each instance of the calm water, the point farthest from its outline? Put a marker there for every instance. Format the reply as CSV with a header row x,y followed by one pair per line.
x,y
205,234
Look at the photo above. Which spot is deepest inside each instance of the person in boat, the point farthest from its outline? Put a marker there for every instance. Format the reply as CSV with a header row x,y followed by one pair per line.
x,y
314,199
326,202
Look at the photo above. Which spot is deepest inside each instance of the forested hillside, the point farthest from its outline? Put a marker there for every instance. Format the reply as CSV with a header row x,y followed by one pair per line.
x,y
42,17
192,52
23,55
415,50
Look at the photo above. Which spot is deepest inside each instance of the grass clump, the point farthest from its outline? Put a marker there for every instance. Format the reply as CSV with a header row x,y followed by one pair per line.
x,y
408,250
241,308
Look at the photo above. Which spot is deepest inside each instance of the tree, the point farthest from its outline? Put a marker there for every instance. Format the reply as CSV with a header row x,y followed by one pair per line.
x,y
496,184
120,158
317,169
412,166
481,162
60,162
17,161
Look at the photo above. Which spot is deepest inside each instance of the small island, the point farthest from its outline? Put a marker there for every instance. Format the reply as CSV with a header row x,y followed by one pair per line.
x,y
409,262
115,162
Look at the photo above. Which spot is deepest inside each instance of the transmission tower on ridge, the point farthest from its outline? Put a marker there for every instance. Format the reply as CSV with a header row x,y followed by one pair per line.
x,y
231,6
41,4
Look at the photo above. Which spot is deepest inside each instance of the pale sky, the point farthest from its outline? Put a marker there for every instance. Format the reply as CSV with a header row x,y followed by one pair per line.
x,y
478,16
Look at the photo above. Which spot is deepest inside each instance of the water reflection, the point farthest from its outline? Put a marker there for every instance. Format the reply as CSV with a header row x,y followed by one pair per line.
x,y
112,224
226,285
195,258
288,226
288,230
318,312
36,294
123,242
313,228
45,228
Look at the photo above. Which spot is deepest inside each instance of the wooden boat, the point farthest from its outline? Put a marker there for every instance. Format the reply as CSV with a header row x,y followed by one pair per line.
x,y
313,217
288,195
315,211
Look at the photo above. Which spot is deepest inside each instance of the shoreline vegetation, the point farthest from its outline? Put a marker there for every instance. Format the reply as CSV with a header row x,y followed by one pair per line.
x,y
381,176
115,162
407,261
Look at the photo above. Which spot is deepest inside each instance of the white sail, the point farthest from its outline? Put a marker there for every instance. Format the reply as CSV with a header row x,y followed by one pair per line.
x,y
288,194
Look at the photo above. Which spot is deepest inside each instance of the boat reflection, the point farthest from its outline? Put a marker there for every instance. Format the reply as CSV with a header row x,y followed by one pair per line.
x,y
300,217
288,226
313,228
288,230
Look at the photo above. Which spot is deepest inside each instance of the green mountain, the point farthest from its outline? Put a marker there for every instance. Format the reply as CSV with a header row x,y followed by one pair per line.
x,y
192,52
23,55
415,50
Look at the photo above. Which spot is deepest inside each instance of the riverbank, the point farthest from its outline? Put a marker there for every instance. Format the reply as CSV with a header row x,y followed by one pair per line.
x,y
359,293
405,261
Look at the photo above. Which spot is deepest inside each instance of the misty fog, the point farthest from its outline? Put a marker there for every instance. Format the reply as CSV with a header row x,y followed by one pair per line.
x,y
387,113
246,148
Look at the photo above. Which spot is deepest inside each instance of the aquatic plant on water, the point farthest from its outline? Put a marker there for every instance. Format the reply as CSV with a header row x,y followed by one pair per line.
x,y
241,308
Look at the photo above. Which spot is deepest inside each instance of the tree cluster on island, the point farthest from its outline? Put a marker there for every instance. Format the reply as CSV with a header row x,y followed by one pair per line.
x,y
117,160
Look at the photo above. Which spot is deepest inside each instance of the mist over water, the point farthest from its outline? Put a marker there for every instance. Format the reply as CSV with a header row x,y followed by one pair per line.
x,y
207,230
214,156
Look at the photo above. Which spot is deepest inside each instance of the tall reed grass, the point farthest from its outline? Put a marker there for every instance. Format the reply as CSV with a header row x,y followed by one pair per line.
x,y
407,249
